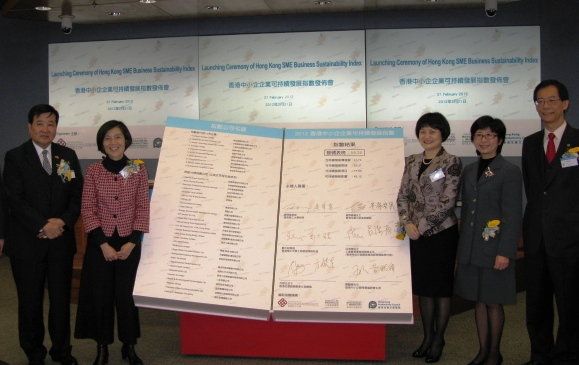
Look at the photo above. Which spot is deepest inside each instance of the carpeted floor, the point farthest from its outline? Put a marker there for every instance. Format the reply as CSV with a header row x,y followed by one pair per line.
x,y
159,344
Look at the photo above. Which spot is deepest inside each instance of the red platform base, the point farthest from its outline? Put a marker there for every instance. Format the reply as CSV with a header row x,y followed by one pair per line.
x,y
224,336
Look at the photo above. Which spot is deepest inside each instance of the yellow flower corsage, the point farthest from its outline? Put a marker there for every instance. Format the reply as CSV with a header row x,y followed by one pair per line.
x,y
492,229
132,167
400,232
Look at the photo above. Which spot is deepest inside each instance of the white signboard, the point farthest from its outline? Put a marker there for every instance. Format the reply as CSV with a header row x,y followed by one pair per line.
x,y
213,220
214,224
338,258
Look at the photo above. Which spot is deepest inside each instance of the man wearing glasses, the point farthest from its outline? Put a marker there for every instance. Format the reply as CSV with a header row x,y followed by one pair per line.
x,y
551,229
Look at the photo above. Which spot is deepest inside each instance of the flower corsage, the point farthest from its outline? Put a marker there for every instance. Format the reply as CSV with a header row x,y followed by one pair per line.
x,y
570,157
400,231
132,167
492,229
571,153
64,171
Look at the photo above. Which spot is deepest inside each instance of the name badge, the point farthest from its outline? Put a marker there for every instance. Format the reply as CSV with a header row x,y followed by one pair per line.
x,y
436,175
568,160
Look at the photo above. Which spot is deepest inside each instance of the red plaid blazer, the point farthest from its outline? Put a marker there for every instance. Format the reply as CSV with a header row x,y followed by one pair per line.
x,y
111,201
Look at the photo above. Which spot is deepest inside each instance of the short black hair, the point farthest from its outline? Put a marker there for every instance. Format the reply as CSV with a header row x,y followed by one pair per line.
x,y
103,130
562,89
41,109
435,121
494,124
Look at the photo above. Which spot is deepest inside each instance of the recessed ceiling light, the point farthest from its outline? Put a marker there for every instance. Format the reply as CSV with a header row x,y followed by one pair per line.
x,y
147,1
213,7
114,13
322,3
43,8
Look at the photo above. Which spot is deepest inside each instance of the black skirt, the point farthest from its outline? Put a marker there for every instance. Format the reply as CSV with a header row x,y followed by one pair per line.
x,y
433,260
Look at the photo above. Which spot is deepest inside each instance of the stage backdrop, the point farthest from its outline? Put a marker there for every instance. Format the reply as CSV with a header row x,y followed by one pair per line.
x,y
139,82
292,80
300,80
461,72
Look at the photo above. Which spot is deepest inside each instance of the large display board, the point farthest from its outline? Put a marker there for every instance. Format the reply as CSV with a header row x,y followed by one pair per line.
x,y
139,81
463,73
292,80
214,224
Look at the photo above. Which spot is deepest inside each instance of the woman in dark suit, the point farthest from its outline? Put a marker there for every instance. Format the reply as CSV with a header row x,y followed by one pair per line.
x,y
115,213
490,228
426,203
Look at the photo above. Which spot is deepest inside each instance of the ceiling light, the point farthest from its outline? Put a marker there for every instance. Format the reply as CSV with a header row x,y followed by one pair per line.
x,y
322,3
213,7
114,13
431,1
43,8
147,1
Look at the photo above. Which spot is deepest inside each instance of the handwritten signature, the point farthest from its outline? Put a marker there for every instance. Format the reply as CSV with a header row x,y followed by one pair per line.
x,y
372,269
307,268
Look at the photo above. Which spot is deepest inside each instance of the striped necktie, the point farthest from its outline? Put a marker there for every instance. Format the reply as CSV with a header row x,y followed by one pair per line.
x,y
46,163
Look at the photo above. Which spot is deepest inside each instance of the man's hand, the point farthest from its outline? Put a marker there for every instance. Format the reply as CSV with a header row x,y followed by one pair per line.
x,y
52,229
109,253
125,250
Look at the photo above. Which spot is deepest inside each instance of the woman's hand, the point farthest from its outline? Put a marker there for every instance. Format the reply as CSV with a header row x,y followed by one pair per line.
x,y
501,262
412,231
125,250
109,253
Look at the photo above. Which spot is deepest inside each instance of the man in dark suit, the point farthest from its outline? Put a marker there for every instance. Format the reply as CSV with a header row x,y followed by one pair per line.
x,y
43,184
551,229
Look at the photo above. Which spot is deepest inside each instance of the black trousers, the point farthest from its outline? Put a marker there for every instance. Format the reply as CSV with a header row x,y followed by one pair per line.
x,y
30,277
107,286
547,277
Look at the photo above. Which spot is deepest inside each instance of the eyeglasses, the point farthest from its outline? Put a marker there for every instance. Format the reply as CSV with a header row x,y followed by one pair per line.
x,y
550,101
487,136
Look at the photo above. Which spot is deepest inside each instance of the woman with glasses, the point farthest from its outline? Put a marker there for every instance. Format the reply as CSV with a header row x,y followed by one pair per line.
x,y
489,231
426,202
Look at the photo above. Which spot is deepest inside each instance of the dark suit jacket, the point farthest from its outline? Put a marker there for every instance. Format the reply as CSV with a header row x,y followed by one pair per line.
x,y
34,196
552,212
497,195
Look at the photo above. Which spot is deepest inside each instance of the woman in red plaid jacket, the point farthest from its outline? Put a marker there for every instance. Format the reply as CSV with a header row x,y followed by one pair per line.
x,y
115,213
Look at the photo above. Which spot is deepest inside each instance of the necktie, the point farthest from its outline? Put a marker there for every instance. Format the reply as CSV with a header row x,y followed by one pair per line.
x,y
46,163
550,148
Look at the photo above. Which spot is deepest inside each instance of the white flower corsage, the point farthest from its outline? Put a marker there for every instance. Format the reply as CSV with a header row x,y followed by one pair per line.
x,y
492,229
132,167
64,171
